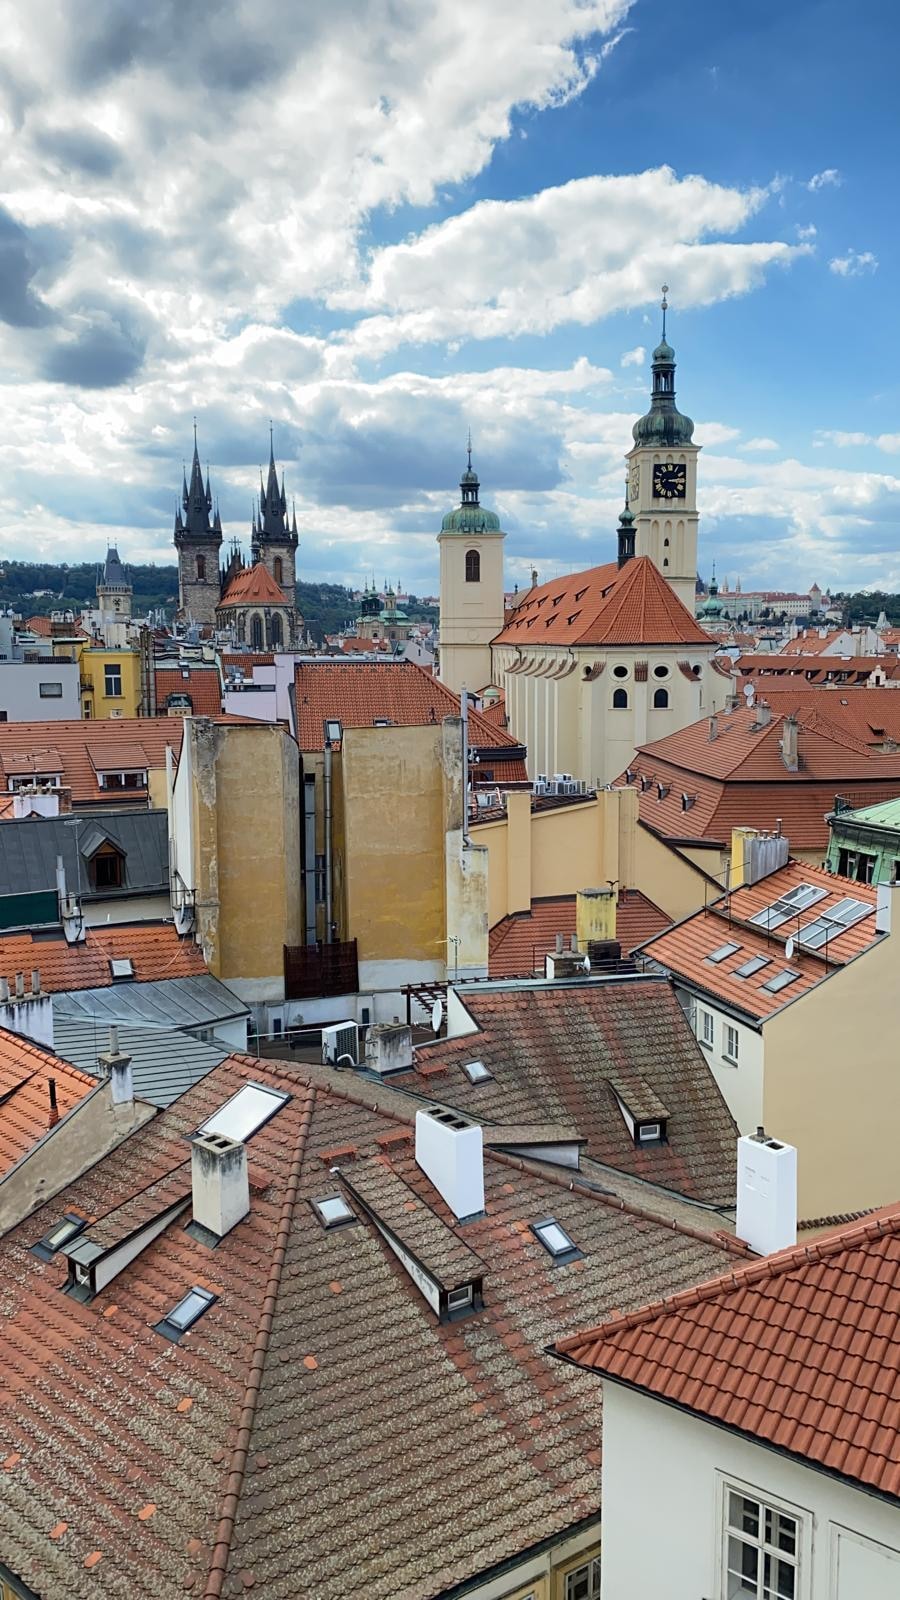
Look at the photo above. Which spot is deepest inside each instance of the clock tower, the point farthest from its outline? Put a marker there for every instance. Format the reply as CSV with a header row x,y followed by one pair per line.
x,y
662,479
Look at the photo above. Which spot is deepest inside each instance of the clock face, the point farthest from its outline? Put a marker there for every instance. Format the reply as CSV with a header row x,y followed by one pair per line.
x,y
669,480
634,487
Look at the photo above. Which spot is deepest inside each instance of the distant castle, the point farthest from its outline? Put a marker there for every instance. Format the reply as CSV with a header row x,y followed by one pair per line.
x,y
258,603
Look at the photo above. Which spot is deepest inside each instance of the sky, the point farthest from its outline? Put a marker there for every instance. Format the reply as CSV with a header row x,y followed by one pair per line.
x,y
379,223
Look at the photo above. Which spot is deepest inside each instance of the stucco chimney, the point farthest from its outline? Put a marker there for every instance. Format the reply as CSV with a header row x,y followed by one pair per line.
x,y
20,985
35,981
117,1067
713,727
450,1152
4,991
763,713
766,1193
789,751
220,1187
595,915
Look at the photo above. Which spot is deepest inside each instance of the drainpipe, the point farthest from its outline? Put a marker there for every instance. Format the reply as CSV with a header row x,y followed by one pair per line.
x,y
464,716
328,883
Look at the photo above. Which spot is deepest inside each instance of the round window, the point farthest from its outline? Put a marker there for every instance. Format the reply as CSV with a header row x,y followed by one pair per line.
x,y
620,672
660,672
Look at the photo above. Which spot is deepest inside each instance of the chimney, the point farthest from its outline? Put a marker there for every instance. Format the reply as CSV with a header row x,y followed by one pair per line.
x,y
53,1118
61,891
595,915
766,1193
20,986
789,752
449,1151
886,894
389,1047
35,982
4,991
118,1069
763,713
220,1188
560,944
713,727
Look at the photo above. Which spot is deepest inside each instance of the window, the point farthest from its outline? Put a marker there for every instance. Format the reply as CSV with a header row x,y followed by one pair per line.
x,y
245,1112
201,569
762,1550
555,1240
620,700
333,730
650,1132
332,1210
122,780
660,672
278,570
276,631
855,864
780,980
473,566
43,780
112,680
50,691
830,924
787,906
707,1024
583,1583
660,699
620,672
121,967
64,1231
477,1072
256,633
748,968
730,1051
183,1316
460,1299
723,952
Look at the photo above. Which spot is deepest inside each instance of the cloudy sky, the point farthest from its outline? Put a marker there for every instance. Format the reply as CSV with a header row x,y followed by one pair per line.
x,y
381,222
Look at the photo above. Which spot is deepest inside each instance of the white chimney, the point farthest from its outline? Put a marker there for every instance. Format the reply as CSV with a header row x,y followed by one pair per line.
x,y
219,1183
35,981
885,894
4,991
449,1151
61,885
118,1069
766,1193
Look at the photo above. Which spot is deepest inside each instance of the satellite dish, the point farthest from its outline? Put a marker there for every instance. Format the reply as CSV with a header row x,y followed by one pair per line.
x,y
749,691
789,948
437,1016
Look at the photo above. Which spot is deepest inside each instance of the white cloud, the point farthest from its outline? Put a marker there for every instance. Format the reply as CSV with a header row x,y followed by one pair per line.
x,y
710,434
808,232
634,358
830,178
761,444
888,442
854,264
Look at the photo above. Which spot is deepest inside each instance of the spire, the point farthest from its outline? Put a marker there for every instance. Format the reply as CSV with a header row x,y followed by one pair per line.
x,y
663,424
665,307
196,495
626,531
468,483
273,500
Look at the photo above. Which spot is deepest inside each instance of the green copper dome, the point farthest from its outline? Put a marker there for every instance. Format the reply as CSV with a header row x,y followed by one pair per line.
x,y
663,424
664,352
470,516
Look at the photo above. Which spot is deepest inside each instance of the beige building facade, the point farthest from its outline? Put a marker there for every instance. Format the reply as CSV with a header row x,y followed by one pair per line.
x,y
471,614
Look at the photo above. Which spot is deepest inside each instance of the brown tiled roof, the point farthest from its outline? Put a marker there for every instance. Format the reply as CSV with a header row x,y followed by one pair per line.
x,y
435,1245
25,1115
558,1053
74,748
604,606
202,684
814,670
355,693
519,943
154,949
800,1351
685,948
494,713
318,1380
39,625
248,660
253,584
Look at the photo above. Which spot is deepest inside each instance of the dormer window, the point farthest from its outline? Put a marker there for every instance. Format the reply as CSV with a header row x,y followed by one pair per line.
x,y
107,868
650,1132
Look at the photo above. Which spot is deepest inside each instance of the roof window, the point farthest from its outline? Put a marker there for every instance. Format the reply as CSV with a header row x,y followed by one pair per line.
x,y
555,1240
829,924
788,905
67,1229
477,1072
121,967
183,1316
780,980
332,1210
723,952
245,1112
333,731
755,964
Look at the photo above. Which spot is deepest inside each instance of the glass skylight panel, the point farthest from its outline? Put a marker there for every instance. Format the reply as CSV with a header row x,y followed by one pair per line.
x,y
849,911
780,980
188,1309
787,905
332,1209
755,964
62,1233
814,934
121,967
723,952
477,1072
554,1238
246,1111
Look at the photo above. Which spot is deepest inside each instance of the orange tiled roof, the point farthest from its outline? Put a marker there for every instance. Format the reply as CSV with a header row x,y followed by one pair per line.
x,y
494,713
815,669
800,1350
253,584
39,625
73,748
153,947
811,644
519,943
356,693
201,684
605,605
685,949
25,1094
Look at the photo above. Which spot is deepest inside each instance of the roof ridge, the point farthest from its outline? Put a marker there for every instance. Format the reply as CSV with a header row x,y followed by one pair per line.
x,y
221,1551
763,1267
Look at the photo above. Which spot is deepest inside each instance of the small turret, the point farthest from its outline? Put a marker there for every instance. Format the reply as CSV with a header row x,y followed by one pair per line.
x,y
663,424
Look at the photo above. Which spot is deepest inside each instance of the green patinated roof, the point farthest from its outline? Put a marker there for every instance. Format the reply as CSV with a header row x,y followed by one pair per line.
x,y
471,519
886,814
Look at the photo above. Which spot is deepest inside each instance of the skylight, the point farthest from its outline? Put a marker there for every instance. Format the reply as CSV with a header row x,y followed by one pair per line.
x,y
60,1235
477,1072
555,1240
332,1210
833,921
780,980
245,1112
121,967
755,964
800,898
189,1309
723,952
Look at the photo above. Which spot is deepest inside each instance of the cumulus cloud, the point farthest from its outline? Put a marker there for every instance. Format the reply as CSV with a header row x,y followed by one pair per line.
x,y
760,444
20,304
888,442
807,232
830,178
855,264
633,358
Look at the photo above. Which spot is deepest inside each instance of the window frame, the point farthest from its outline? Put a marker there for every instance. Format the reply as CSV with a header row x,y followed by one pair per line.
x,y
587,1560
112,672
473,566
619,699
661,698
732,1057
175,1331
558,1258
800,1515
704,1017
51,689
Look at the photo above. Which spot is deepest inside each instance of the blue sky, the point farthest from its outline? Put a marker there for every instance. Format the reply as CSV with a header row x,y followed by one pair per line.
x,y
396,221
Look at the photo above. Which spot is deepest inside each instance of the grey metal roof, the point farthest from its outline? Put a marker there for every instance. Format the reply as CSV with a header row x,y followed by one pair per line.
x,y
167,1003
29,848
164,1062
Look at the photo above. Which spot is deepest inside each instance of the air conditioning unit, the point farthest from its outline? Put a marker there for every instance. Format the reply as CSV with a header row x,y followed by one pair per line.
x,y
342,1039
539,786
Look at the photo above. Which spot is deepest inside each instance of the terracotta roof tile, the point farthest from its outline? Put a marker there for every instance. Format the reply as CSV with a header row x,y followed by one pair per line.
x,y
604,605
782,1363
519,943
154,949
253,584
75,748
25,1114
201,684
356,693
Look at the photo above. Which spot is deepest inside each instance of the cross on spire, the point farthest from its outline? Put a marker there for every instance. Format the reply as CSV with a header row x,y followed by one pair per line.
x,y
665,306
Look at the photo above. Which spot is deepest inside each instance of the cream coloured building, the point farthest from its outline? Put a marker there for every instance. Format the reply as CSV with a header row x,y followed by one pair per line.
x,y
471,546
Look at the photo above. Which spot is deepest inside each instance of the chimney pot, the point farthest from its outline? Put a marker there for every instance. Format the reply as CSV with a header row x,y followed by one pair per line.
x,y
4,991
35,980
713,727
560,943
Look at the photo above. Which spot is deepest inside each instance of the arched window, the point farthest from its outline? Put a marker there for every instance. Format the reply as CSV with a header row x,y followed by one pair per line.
x,y
665,561
201,568
660,699
278,570
620,700
276,631
473,566
665,544
256,632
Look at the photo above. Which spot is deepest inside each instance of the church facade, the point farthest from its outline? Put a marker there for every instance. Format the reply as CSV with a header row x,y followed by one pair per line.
x,y
257,607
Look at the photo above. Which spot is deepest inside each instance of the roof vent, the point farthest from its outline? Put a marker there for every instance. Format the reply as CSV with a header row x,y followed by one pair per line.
x,y
220,1187
450,1153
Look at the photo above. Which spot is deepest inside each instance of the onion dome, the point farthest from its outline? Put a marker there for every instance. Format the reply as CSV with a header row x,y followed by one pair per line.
x,y
664,424
470,516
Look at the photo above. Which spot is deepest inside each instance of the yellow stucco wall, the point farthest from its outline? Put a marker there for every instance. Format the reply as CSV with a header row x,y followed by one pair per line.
x,y
95,702
832,1085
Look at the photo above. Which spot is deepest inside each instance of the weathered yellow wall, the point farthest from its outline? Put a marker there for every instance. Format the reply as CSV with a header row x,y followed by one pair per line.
x,y
92,663
832,1085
